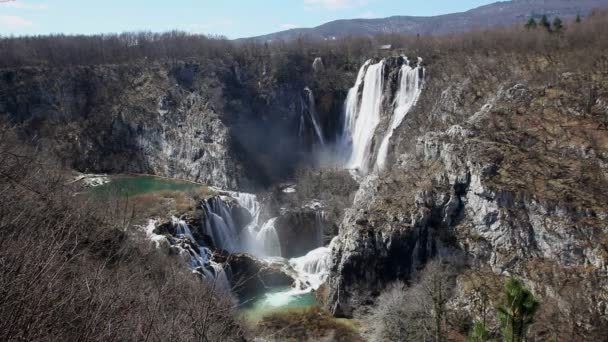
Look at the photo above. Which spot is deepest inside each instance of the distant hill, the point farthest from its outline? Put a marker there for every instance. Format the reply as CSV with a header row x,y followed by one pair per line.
x,y
496,14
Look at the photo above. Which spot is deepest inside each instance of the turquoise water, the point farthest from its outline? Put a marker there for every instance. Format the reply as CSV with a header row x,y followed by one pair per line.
x,y
277,300
134,185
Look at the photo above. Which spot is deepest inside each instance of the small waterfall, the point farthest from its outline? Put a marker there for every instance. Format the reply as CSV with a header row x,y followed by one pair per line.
x,y
181,228
320,226
410,86
313,268
197,257
367,118
267,240
317,65
219,225
311,107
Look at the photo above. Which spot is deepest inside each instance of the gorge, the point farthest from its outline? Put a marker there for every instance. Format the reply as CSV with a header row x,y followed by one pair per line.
x,y
330,173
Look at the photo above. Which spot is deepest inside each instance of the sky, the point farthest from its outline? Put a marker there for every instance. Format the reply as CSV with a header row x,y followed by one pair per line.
x,y
231,18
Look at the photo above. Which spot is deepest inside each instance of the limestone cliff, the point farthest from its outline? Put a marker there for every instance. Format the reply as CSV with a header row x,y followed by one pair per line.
x,y
504,162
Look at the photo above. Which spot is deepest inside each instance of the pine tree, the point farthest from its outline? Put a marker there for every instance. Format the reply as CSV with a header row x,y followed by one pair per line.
x,y
516,311
544,22
531,24
557,25
578,19
479,333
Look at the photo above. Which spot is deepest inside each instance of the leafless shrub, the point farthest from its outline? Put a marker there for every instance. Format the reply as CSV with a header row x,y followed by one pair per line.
x,y
417,312
70,270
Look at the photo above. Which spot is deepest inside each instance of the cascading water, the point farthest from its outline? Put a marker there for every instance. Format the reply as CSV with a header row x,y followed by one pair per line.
x,y
362,113
351,109
267,239
367,118
196,256
410,86
309,106
261,240
218,224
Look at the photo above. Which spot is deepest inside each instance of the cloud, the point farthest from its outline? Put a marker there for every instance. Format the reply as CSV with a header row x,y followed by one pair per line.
x,y
14,22
23,5
368,15
333,4
288,26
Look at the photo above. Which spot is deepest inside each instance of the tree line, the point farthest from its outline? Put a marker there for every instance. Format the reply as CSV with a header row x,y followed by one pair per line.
x,y
70,50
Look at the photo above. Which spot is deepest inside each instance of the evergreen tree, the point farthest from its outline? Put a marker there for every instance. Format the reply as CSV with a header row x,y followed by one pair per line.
x,y
531,24
558,26
516,311
479,333
544,22
578,19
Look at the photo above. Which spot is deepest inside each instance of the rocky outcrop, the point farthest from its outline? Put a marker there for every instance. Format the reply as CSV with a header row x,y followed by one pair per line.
x,y
302,230
252,277
509,176
213,121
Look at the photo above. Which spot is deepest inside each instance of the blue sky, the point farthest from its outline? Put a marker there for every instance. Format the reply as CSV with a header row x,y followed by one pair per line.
x,y
232,18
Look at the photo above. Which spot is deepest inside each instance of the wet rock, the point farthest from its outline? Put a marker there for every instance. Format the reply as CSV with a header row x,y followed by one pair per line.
x,y
252,277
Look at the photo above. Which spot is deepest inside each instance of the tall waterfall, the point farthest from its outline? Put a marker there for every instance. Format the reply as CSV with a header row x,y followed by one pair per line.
x,y
351,109
310,106
367,117
410,86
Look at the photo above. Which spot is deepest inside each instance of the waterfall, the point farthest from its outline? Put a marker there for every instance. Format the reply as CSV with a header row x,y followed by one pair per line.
x,y
312,112
351,108
313,268
410,86
319,226
181,228
267,239
218,224
367,118
197,257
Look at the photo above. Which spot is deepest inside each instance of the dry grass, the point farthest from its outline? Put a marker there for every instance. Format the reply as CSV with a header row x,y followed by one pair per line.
x,y
310,324
71,270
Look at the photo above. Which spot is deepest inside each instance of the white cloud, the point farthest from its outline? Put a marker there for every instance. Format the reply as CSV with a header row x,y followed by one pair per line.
x,y
23,5
14,22
333,4
367,15
288,26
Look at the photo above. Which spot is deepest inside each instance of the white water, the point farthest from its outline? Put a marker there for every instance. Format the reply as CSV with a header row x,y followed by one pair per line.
x,y
351,109
267,240
313,268
312,111
410,87
367,118
260,240
197,257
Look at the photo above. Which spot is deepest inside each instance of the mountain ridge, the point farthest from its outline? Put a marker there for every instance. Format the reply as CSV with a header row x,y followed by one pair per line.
x,y
500,13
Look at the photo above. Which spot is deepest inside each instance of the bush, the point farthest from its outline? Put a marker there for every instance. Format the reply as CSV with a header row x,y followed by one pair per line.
x,y
72,269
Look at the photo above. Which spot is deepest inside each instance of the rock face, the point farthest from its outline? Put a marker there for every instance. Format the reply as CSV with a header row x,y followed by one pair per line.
x,y
252,277
300,231
211,121
507,171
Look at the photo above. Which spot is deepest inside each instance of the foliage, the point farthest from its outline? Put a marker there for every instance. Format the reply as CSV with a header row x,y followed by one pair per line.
x,y
72,269
479,333
544,22
531,24
418,312
516,311
558,26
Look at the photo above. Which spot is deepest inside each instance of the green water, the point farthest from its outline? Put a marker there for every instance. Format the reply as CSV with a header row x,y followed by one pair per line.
x,y
278,300
135,185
